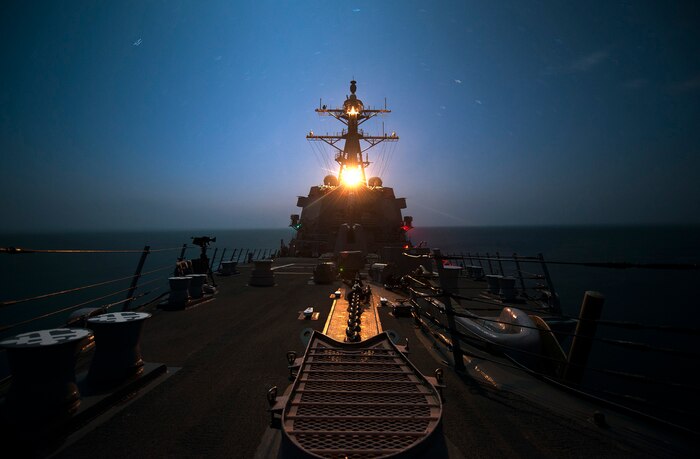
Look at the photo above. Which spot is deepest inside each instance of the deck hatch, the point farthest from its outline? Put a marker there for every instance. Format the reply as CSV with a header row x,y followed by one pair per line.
x,y
359,400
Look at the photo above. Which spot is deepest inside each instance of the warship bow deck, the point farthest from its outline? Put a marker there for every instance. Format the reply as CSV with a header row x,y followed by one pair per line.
x,y
223,356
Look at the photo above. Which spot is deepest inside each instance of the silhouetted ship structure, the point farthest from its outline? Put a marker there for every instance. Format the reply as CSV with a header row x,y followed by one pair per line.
x,y
350,211
195,371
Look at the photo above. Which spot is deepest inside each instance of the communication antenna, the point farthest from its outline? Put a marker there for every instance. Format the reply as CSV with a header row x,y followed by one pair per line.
x,y
352,157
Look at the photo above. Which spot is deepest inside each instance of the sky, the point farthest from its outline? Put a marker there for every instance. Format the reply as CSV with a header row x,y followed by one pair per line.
x,y
187,114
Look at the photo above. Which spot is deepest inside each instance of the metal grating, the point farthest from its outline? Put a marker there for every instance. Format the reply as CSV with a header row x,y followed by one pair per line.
x,y
360,425
362,398
334,376
355,366
369,386
359,400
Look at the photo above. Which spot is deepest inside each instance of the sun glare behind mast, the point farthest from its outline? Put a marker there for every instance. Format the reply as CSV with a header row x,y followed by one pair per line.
x,y
353,111
352,176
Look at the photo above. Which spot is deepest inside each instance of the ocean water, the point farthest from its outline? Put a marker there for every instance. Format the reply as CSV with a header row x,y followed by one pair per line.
x,y
33,274
645,296
631,294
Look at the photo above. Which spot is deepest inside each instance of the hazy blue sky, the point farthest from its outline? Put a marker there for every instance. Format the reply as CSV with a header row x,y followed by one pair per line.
x,y
178,114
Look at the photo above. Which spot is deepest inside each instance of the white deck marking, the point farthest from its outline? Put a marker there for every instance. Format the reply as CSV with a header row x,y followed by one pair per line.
x,y
282,266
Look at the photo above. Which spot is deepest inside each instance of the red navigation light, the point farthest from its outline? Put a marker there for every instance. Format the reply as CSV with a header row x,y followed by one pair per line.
x,y
405,246
405,228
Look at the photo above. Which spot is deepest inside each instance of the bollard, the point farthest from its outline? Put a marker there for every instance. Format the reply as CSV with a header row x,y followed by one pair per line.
x,y
117,347
262,275
179,294
449,278
493,281
43,384
476,272
591,309
324,273
228,267
507,288
196,283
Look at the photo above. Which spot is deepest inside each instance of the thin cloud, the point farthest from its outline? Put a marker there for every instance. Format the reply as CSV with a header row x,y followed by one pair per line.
x,y
589,61
458,81
635,84
582,64
691,84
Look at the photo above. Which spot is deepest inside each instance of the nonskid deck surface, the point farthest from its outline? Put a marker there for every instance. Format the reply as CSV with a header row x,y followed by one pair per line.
x,y
231,350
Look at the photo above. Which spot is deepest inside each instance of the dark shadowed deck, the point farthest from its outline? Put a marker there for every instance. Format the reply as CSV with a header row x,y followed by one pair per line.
x,y
224,354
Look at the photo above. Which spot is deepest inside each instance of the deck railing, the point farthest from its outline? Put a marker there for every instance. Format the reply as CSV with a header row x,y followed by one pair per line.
x,y
433,309
145,286
436,305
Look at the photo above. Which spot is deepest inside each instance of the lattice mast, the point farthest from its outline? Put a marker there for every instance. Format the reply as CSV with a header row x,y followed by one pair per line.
x,y
352,157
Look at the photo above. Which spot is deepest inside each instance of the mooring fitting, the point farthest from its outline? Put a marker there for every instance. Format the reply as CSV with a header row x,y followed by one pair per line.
x,y
440,378
271,399
291,357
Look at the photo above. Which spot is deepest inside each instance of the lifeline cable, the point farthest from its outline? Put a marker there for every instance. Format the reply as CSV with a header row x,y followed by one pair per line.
x,y
20,250
62,292
614,342
620,324
621,374
53,313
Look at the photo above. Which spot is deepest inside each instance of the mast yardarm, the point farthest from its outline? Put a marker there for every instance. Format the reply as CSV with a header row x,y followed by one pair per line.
x,y
351,157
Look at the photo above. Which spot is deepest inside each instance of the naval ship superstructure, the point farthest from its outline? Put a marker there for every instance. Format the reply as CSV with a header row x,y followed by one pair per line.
x,y
350,211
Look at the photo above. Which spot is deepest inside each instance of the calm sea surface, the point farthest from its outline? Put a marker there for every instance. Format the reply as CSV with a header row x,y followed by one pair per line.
x,y
655,297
